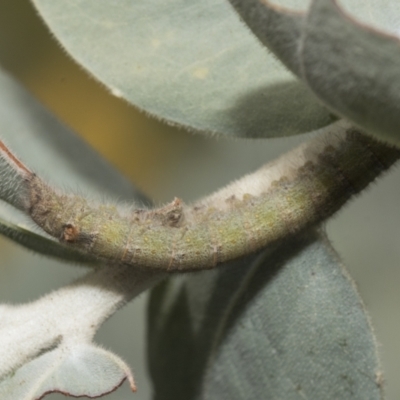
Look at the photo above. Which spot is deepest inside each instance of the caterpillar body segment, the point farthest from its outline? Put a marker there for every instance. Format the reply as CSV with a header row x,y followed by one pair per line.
x,y
297,191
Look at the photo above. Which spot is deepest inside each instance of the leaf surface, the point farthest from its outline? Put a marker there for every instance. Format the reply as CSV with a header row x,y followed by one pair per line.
x,y
46,345
76,370
287,324
191,63
347,52
353,68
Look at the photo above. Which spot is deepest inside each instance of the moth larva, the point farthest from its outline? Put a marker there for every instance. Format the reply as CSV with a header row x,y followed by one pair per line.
x,y
299,190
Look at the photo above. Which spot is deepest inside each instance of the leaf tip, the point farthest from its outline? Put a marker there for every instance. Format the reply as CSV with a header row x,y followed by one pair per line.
x,y
132,384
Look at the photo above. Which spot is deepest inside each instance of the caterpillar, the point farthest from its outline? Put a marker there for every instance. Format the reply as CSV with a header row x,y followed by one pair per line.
x,y
297,191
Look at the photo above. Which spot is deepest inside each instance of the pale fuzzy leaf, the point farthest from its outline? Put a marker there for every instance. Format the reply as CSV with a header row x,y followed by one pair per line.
x,y
46,345
347,55
74,370
287,324
52,150
192,63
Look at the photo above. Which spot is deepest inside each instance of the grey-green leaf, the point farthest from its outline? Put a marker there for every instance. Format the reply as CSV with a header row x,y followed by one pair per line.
x,y
276,27
353,68
287,324
192,63
52,150
347,52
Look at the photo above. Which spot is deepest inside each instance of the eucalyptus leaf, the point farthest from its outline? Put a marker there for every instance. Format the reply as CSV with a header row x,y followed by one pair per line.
x,y
52,150
286,324
191,63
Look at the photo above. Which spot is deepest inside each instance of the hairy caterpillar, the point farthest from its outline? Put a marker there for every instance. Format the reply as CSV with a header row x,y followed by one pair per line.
x,y
297,191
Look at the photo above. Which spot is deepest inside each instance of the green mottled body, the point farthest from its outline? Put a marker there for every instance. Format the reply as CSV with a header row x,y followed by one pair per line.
x,y
179,237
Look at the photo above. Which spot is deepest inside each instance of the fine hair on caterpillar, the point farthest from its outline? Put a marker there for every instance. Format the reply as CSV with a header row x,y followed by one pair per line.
x,y
299,190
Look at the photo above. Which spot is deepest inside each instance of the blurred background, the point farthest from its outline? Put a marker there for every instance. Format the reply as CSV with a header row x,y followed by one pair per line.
x,y
165,162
